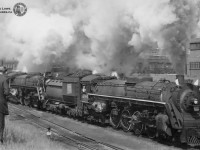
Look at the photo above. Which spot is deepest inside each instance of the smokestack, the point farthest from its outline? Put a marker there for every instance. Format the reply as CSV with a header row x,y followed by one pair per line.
x,y
181,79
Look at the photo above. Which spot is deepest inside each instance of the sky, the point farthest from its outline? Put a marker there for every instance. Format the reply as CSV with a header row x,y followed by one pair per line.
x,y
100,35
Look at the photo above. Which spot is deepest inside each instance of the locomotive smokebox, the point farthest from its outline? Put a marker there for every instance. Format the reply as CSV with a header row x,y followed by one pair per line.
x,y
180,78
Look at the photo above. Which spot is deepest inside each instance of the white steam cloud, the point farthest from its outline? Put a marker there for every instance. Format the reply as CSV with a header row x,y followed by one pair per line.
x,y
101,35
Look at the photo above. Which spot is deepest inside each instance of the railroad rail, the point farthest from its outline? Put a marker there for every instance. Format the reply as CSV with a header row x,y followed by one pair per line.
x,y
70,137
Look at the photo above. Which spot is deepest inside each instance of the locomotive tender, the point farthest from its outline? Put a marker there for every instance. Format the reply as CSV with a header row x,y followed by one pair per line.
x,y
141,105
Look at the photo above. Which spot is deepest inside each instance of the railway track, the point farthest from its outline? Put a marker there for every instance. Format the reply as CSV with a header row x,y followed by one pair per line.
x,y
70,137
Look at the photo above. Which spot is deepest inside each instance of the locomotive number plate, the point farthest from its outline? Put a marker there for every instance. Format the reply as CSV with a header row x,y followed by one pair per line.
x,y
196,108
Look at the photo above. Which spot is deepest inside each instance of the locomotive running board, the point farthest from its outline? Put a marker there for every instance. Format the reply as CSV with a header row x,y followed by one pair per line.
x,y
127,98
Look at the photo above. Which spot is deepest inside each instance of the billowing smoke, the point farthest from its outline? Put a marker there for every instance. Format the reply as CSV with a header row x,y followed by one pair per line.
x,y
101,35
175,37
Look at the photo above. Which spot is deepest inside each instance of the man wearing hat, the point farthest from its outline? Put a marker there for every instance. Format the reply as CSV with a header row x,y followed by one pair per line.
x,y
4,91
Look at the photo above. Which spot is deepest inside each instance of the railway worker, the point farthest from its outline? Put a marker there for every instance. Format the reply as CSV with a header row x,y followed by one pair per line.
x,y
4,92
162,121
49,132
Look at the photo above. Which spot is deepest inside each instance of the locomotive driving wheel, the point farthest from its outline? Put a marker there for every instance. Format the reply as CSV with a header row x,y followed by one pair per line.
x,y
137,125
21,100
115,118
27,101
102,121
19,97
151,131
125,120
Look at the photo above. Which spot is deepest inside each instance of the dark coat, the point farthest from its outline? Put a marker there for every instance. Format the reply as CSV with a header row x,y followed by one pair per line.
x,y
4,91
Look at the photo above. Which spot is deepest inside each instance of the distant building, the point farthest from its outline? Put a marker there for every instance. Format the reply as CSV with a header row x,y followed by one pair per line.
x,y
159,63
9,64
193,58
155,62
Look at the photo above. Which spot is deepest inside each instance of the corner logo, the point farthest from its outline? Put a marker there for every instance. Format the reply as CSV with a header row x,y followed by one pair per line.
x,y
20,9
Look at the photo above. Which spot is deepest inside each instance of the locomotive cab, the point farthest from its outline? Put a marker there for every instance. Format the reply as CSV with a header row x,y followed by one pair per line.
x,y
89,83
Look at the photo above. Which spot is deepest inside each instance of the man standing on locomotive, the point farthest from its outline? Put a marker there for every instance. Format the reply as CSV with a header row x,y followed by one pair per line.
x,y
4,91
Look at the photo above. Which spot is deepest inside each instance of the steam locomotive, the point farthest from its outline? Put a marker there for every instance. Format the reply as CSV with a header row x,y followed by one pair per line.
x,y
27,89
140,105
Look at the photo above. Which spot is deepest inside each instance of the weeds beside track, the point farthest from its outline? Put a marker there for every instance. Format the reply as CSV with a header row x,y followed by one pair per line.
x,y
72,138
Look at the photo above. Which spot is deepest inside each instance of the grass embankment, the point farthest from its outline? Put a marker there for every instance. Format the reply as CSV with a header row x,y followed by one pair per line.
x,y
20,135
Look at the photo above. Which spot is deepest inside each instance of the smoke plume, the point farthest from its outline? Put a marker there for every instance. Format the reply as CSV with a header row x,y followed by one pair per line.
x,y
101,35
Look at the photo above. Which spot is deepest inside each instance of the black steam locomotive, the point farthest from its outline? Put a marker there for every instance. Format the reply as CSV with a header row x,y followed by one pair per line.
x,y
27,89
140,105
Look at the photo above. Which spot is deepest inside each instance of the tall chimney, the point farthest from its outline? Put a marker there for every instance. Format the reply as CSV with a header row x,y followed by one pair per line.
x,y
180,78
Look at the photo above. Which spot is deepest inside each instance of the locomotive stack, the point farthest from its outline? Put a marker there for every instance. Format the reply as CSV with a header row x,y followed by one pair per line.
x,y
140,105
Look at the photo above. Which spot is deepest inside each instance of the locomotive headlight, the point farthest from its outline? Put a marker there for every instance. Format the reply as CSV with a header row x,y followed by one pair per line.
x,y
99,106
195,101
